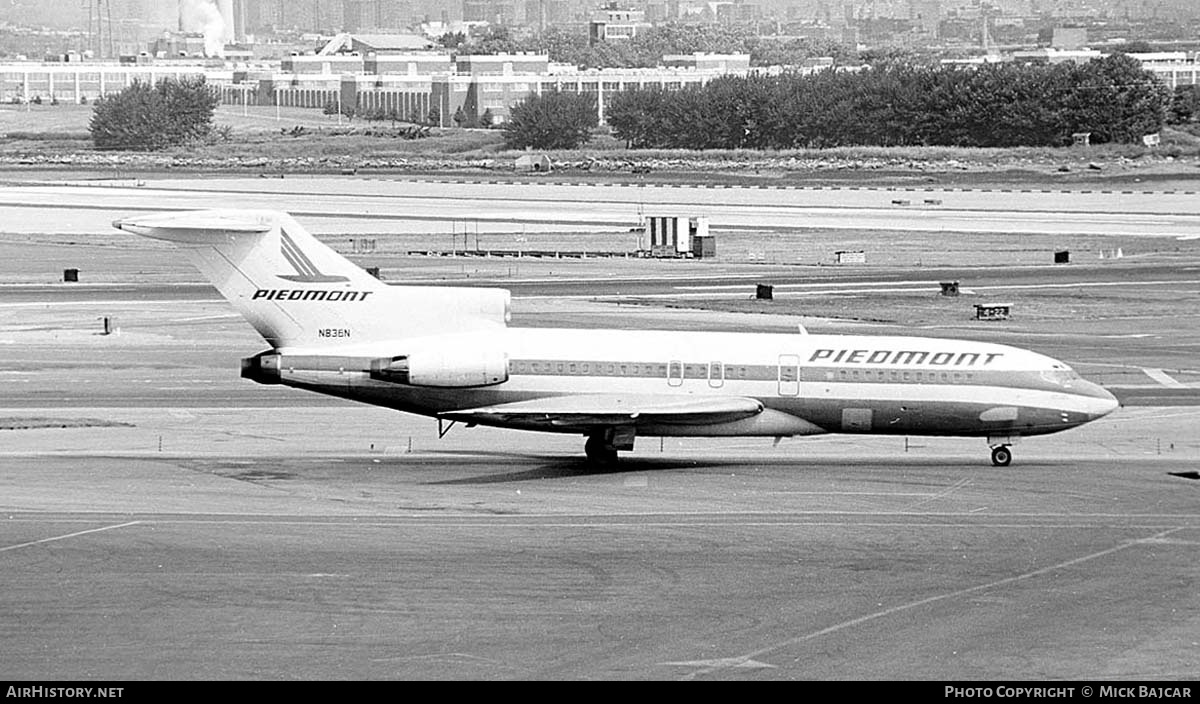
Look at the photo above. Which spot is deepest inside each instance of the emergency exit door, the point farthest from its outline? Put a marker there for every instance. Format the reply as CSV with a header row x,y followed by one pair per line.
x,y
789,375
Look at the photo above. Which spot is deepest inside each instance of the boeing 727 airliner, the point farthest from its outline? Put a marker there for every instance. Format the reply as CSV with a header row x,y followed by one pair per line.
x,y
449,353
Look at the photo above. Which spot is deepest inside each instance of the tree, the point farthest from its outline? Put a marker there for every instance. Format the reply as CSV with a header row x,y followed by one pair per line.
x,y
452,40
1117,100
1185,104
634,117
1137,46
172,112
553,120
901,103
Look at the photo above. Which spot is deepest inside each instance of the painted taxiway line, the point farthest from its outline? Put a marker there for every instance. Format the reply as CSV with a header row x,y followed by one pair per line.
x,y
68,535
824,285
753,656
421,519
916,286
1163,378
127,302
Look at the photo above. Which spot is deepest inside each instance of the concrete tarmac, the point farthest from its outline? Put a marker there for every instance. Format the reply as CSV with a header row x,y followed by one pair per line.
x,y
274,545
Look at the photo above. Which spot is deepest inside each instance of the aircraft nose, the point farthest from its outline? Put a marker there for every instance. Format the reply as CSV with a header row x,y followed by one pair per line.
x,y
1100,402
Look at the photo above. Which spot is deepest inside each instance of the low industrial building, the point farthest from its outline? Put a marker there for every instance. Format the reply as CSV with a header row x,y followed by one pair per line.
x,y
415,84
402,75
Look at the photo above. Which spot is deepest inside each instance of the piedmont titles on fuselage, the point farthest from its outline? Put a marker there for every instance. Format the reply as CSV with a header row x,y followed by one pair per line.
x,y
904,357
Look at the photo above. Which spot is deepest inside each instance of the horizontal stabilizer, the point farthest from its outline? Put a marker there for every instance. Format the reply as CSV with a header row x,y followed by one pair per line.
x,y
195,227
592,410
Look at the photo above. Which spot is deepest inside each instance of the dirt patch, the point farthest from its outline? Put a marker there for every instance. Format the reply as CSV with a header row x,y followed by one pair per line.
x,y
40,423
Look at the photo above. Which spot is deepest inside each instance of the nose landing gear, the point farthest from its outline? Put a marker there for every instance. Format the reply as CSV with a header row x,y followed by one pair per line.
x,y
1001,455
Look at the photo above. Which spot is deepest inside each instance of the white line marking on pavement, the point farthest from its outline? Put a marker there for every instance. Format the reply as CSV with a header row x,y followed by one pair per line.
x,y
1161,377
722,663
68,535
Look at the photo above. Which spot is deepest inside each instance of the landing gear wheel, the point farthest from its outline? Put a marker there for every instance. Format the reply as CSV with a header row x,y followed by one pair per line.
x,y
598,451
1001,456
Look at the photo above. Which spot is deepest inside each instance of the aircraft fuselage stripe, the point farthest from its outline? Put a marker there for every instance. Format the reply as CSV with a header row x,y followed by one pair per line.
x,y
732,372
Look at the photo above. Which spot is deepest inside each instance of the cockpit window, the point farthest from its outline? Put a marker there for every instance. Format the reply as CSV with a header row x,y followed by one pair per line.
x,y
1060,375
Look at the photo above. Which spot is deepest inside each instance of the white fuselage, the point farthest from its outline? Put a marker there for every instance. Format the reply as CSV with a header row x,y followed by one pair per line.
x,y
807,383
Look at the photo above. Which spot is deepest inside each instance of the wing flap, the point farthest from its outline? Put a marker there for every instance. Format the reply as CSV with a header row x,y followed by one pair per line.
x,y
591,410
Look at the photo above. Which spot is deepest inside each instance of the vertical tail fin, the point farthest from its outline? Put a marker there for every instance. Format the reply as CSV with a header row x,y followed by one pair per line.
x,y
299,293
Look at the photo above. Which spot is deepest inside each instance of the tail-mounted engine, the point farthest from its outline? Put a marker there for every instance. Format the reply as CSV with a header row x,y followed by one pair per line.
x,y
443,369
263,367
459,369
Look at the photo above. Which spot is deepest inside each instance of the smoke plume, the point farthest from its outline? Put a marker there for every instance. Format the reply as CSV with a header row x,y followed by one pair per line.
x,y
204,17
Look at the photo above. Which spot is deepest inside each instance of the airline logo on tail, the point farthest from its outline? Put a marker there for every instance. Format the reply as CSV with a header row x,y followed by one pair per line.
x,y
306,271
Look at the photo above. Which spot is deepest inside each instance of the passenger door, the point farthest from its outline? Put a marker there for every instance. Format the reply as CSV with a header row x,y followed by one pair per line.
x,y
716,375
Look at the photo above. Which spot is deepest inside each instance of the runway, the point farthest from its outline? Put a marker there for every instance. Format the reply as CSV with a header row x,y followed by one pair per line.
x,y
163,519
381,205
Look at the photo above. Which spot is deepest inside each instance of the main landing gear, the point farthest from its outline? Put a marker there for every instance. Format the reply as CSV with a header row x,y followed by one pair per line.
x,y
602,444
1001,455
598,451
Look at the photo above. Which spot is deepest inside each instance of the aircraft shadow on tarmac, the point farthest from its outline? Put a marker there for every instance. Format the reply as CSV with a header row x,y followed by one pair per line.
x,y
496,467
565,467
527,467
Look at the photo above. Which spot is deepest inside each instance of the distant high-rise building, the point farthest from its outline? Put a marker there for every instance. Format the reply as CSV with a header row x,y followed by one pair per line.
x,y
356,15
374,15
1069,38
615,23
239,11
500,12
392,14
927,14
544,13
307,15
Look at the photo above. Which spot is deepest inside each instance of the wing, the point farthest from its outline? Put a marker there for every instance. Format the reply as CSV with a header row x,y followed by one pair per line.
x,y
594,410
